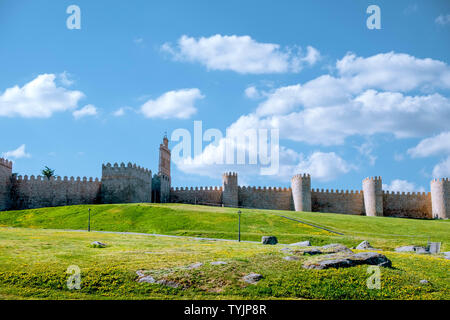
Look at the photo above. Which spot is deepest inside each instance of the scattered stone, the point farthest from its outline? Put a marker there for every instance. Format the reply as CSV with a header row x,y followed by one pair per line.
x,y
252,278
325,264
336,247
422,250
434,247
372,258
291,258
195,265
424,281
140,273
301,244
365,245
311,252
286,249
269,240
168,283
146,279
98,244
416,249
216,263
446,255
349,260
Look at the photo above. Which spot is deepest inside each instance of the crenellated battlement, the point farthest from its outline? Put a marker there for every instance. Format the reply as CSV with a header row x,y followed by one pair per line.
x,y
302,176
440,180
6,163
215,188
229,174
130,169
264,189
413,194
332,191
373,178
53,179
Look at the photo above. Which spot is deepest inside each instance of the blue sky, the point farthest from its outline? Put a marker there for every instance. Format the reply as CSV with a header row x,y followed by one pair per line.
x,y
351,102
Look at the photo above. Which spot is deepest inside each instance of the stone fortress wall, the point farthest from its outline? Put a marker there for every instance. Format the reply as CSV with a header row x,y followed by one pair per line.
x,y
35,192
126,184
197,195
5,183
132,184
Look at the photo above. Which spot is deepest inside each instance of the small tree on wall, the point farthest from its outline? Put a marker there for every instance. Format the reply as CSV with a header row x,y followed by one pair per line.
x,y
47,172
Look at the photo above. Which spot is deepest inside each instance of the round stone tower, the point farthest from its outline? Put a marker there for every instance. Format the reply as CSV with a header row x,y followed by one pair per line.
x,y
440,198
373,196
230,189
301,192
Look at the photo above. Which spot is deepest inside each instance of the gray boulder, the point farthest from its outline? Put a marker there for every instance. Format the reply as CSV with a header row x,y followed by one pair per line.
x,y
350,260
291,258
146,279
269,240
98,244
446,255
252,278
424,281
434,247
415,249
301,244
217,263
311,252
371,258
195,265
326,264
365,245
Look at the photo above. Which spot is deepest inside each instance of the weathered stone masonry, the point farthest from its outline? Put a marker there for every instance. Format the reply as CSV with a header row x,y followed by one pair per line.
x,y
130,183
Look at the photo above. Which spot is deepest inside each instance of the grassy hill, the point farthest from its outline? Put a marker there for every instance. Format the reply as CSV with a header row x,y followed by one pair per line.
x,y
218,222
33,264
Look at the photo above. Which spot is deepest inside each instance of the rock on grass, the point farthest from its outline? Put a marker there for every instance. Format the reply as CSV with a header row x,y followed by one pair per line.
x,y
252,278
269,240
348,260
301,244
98,244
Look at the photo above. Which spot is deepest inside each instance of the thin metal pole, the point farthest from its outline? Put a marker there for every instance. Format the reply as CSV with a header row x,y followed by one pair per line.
x,y
89,220
239,239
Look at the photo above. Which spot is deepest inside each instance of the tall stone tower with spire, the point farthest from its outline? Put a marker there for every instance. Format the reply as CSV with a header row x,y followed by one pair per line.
x,y
164,170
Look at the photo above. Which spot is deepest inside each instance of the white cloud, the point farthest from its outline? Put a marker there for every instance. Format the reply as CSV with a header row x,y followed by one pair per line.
x,y
241,54
393,72
121,111
173,104
312,55
324,166
39,98
327,110
443,19
138,40
252,93
64,77
437,145
17,153
87,110
442,169
402,186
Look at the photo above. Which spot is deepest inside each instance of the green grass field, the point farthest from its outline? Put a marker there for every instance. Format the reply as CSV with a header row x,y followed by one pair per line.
x,y
34,256
218,222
